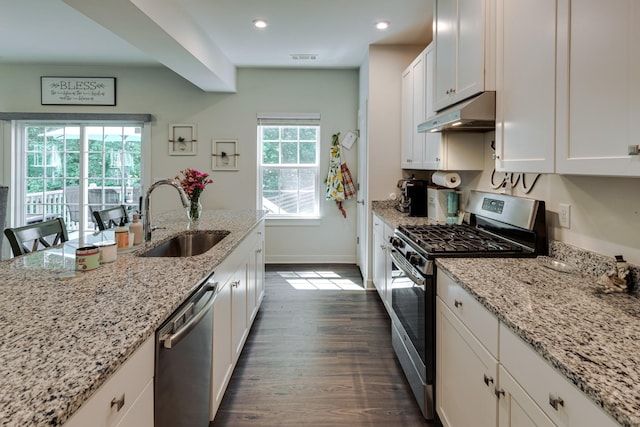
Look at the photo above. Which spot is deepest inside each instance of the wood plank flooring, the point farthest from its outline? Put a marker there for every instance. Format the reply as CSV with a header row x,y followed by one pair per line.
x,y
318,357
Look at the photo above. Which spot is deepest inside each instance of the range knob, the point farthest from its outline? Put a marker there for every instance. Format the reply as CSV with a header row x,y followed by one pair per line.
x,y
414,258
396,242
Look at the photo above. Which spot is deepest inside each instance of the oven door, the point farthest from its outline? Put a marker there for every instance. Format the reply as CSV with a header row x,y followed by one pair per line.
x,y
413,328
408,303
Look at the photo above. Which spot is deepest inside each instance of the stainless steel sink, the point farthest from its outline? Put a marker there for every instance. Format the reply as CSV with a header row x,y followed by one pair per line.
x,y
188,244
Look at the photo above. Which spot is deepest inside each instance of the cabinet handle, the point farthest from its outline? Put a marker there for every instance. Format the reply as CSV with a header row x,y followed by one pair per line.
x,y
118,403
259,250
634,150
235,284
457,303
555,401
487,380
499,392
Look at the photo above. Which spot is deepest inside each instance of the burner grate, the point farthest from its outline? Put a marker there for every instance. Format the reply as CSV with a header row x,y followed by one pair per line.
x,y
453,238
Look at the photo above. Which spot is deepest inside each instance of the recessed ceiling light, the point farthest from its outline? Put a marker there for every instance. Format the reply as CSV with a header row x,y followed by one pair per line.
x,y
382,25
260,23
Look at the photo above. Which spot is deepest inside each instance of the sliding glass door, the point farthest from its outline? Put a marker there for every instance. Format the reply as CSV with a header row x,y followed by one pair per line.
x,y
70,170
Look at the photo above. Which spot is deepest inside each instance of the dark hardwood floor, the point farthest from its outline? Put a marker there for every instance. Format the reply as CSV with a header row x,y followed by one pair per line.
x,y
318,357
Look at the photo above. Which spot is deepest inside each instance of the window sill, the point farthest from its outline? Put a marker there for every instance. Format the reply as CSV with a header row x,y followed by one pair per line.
x,y
309,221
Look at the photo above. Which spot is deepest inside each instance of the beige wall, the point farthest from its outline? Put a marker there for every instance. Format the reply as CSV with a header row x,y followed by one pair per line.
x,y
170,99
605,211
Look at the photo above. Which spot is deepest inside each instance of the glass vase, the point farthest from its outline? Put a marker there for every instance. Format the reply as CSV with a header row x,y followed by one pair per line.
x,y
194,210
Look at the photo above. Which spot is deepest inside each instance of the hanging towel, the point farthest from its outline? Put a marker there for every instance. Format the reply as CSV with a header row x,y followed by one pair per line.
x,y
339,182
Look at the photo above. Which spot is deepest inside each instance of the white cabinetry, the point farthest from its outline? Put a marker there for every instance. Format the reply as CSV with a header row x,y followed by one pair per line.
x,y
560,400
382,260
526,85
241,290
464,35
475,371
413,113
125,399
599,88
432,150
466,358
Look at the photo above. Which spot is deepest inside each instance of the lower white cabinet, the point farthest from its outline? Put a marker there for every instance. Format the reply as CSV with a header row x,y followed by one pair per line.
x,y
465,373
488,376
241,289
515,407
382,266
561,401
125,399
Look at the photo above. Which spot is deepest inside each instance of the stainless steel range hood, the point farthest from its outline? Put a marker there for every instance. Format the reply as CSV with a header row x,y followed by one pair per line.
x,y
477,114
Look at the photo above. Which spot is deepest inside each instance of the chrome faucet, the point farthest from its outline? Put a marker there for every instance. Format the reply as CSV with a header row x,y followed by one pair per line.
x,y
183,197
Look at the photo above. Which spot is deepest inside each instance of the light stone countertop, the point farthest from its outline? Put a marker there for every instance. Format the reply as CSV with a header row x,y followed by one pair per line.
x,y
65,332
593,339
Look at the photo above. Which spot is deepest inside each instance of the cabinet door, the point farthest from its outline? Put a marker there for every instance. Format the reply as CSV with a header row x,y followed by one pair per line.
x,y
388,268
222,352
239,309
259,266
465,374
419,107
406,133
526,76
432,140
471,48
446,16
379,259
600,72
515,407
141,412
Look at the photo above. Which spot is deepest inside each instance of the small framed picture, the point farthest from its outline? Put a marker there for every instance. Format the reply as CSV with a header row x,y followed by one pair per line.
x,y
182,140
224,155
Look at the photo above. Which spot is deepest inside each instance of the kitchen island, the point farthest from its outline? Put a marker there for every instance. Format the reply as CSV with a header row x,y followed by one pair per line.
x,y
65,332
592,339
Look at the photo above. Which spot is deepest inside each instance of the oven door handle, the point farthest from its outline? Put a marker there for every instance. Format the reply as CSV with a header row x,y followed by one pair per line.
x,y
406,268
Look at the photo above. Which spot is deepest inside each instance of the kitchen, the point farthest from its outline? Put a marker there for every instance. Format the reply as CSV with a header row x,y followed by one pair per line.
x,y
604,211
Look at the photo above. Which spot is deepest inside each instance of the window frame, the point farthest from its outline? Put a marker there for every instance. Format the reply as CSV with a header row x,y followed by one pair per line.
x,y
297,121
19,150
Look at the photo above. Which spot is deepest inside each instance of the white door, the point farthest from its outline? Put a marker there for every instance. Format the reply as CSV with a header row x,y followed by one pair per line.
x,y
361,195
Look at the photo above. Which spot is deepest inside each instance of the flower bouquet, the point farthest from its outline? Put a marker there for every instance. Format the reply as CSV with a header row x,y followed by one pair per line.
x,y
193,183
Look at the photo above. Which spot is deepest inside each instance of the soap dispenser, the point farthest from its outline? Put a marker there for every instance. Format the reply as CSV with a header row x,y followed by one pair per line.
x,y
136,228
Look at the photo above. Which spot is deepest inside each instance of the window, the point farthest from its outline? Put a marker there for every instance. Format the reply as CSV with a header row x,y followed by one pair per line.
x,y
71,170
289,165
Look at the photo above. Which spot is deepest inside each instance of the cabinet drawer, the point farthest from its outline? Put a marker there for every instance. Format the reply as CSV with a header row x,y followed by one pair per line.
x,y
563,402
478,319
128,382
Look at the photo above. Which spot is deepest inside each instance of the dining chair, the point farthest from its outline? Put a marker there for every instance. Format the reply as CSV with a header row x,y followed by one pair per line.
x,y
110,217
34,237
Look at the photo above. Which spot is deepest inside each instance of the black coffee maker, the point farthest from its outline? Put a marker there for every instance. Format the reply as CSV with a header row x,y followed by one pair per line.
x,y
416,193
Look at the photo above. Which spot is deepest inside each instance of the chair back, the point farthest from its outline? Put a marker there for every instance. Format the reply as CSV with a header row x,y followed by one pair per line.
x,y
110,217
36,236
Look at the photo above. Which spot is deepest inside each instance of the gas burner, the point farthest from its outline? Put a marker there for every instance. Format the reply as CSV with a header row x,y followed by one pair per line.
x,y
450,239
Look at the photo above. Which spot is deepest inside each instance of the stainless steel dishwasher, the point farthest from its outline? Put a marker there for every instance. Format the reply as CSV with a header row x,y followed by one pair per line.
x,y
183,362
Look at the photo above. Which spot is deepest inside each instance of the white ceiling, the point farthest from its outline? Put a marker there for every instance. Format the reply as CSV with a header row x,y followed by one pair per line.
x,y
204,40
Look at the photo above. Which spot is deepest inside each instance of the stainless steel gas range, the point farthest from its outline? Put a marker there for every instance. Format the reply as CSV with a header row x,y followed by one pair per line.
x,y
499,226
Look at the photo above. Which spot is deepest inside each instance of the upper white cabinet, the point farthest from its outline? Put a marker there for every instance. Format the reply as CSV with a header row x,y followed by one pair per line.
x,y
598,88
525,85
465,49
432,150
413,113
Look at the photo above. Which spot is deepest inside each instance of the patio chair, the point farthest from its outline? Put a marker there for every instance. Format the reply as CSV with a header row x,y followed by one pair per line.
x,y
34,237
110,217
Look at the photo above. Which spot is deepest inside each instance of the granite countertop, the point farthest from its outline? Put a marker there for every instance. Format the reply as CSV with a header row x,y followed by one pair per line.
x,y
593,339
65,332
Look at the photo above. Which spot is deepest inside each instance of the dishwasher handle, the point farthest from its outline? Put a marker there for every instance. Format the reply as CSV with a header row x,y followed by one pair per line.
x,y
170,341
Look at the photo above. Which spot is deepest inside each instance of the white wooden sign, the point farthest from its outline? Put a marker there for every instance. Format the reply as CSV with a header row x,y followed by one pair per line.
x,y
78,90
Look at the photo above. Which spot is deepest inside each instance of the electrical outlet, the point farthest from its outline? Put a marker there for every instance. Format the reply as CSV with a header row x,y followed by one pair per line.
x,y
564,213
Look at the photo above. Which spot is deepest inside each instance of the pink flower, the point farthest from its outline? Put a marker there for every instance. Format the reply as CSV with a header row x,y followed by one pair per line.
x,y
194,182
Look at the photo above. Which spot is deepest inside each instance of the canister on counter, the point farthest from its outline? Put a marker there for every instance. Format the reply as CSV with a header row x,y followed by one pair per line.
x,y
122,235
87,258
108,251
